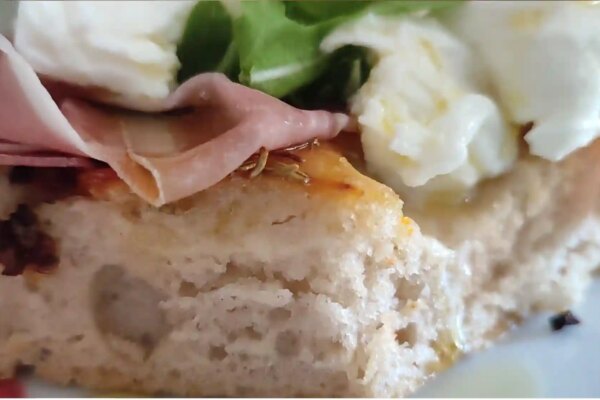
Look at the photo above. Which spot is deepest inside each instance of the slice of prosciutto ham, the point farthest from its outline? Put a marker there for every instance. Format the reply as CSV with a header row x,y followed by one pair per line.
x,y
201,133
35,156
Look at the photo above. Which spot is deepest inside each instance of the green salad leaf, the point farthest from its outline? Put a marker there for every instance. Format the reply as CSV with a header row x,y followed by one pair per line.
x,y
318,11
345,73
207,43
311,12
274,45
277,54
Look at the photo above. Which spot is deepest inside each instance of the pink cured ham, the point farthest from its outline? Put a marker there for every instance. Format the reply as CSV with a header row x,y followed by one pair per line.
x,y
24,154
201,133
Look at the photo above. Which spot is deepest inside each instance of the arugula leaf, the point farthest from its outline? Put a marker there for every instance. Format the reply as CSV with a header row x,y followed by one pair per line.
x,y
279,41
322,10
207,43
277,55
392,7
274,45
346,72
318,11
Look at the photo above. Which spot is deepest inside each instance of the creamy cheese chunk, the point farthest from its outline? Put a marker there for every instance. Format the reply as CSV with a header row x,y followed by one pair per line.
x,y
127,47
544,60
424,112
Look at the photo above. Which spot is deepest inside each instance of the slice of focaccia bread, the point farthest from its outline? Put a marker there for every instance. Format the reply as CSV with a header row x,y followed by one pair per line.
x,y
272,287
263,287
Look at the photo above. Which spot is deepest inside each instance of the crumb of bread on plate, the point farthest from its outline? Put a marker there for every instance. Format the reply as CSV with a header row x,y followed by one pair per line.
x,y
562,320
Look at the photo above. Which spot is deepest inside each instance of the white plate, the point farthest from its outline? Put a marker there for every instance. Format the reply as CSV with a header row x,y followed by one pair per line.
x,y
533,361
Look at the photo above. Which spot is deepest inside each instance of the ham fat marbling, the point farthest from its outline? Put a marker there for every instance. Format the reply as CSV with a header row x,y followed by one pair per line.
x,y
201,133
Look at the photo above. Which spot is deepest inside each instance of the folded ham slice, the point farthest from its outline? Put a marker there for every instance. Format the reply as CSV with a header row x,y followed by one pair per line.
x,y
35,156
201,133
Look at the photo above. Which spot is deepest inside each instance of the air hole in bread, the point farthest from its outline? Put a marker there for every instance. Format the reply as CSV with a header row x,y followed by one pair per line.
x,y
287,344
326,350
234,272
252,333
360,373
407,335
279,314
128,307
75,338
236,309
297,287
407,290
188,289
217,353
500,271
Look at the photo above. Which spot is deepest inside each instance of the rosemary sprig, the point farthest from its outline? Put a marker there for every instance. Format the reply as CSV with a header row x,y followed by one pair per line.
x,y
302,146
291,171
276,162
261,163
247,166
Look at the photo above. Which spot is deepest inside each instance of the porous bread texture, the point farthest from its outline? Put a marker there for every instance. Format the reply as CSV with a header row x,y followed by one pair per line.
x,y
528,241
249,289
265,288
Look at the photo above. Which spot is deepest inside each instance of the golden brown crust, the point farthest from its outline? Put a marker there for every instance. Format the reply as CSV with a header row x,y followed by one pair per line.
x,y
330,176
